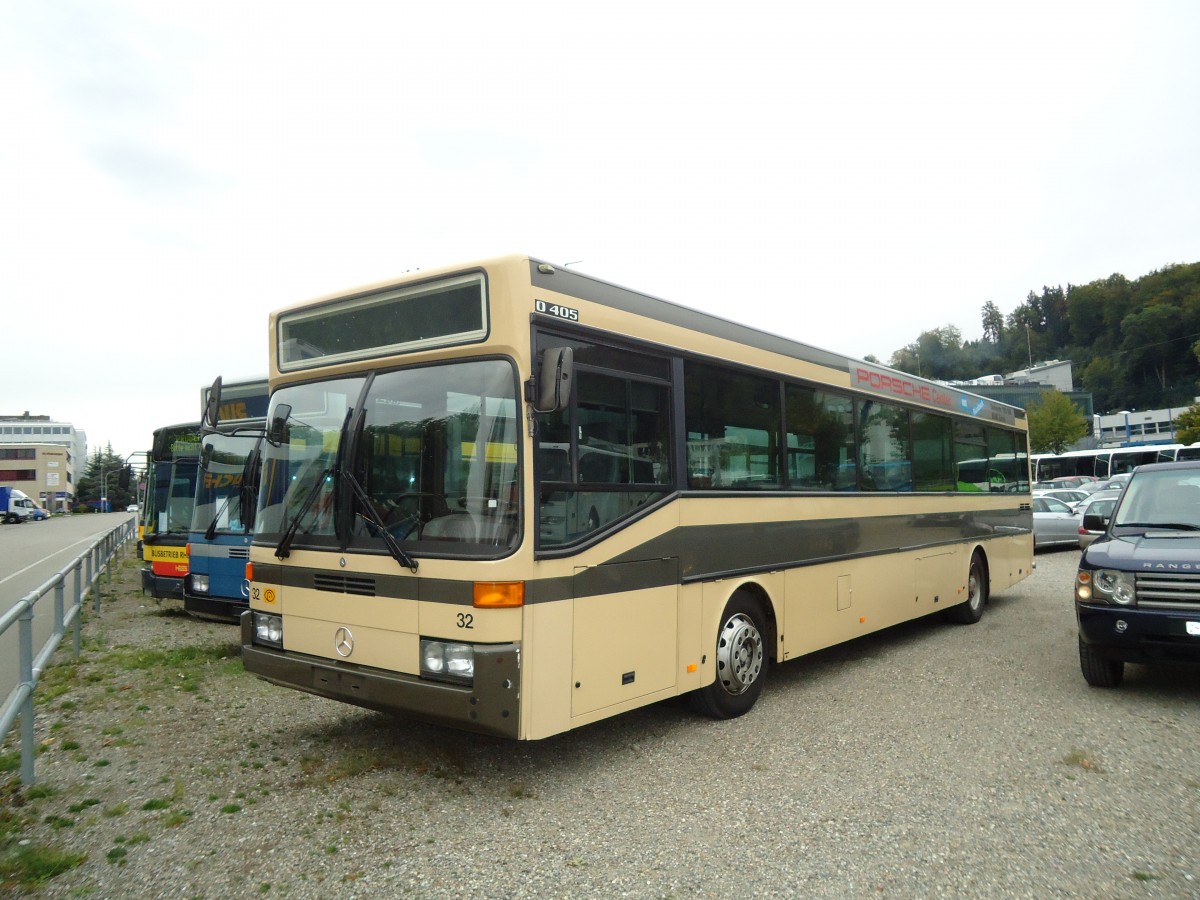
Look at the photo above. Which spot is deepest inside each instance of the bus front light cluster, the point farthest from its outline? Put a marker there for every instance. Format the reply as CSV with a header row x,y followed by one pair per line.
x,y
268,630
447,661
200,584
1106,586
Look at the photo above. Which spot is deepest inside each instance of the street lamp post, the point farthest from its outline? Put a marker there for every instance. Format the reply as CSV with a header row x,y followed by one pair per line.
x,y
104,487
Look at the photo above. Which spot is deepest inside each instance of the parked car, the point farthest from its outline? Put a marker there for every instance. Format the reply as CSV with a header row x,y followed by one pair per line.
x,y
1115,483
1102,505
39,514
1071,497
1137,583
1067,481
1054,523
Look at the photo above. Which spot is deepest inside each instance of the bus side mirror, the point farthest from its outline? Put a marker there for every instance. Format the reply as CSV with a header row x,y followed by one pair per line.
x,y
553,386
212,406
206,457
277,428
123,478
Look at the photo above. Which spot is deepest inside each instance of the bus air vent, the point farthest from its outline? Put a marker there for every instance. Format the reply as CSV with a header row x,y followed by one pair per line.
x,y
345,584
239,552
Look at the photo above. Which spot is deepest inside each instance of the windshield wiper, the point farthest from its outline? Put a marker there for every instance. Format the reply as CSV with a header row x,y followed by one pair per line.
x,y
282,550
372,517
210,532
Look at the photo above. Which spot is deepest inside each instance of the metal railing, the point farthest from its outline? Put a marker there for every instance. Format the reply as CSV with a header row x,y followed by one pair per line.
x,y
96,560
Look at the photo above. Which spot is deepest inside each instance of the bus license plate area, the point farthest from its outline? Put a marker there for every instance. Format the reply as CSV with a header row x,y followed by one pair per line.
x,y
346,684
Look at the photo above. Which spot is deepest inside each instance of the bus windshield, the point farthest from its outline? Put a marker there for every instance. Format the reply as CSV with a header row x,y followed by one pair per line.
x,y
429,454
219,491
169,497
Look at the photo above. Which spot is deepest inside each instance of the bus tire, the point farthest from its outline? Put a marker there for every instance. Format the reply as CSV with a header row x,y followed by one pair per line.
x,y
742,661
1100,671
970,611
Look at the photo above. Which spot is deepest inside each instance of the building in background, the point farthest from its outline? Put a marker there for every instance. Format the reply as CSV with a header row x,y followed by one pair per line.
x,y
1055,373
1143,426
42,457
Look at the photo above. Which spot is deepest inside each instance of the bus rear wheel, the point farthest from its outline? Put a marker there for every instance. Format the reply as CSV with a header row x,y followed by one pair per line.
x,y
742,659
971,611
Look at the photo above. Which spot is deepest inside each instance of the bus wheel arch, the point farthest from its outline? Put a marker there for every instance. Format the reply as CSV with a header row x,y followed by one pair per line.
x,y
978,591
743,651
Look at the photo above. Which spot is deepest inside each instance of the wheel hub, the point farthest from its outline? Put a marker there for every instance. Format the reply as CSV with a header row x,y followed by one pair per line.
x,y
739,654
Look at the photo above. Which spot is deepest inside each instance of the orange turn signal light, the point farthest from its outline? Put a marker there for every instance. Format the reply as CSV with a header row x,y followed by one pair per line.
x,y
498,594
249,571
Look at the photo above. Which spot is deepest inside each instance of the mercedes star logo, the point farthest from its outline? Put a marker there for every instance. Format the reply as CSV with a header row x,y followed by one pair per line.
x,y
343,641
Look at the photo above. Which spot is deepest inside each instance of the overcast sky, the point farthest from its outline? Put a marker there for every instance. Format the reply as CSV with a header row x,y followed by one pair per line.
x,y
846,174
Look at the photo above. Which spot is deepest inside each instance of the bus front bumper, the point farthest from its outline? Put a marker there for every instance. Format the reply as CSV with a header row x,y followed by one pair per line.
x,y
161,587
221,609
490,706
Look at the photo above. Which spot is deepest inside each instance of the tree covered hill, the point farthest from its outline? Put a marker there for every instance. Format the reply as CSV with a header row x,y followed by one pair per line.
x,y
1133,344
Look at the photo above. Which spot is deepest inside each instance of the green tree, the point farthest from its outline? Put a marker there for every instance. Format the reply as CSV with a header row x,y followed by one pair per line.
x,y
1150,354
1187,425
1100,377
935,354
993,322
107,464
1055,423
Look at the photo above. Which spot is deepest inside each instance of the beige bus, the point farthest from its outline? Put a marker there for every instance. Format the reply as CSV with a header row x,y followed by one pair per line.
x,y
511,498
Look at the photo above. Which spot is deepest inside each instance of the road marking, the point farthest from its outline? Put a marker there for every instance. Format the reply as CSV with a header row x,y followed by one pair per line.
x,y
51,556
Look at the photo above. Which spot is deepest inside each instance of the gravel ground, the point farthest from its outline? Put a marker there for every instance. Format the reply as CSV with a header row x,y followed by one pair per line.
x,y
929,761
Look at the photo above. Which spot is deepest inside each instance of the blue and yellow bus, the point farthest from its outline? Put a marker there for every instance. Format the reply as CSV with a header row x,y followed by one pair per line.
x,y
226,496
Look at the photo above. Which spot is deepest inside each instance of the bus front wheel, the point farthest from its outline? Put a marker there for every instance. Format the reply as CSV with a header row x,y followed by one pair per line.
x,y
742,659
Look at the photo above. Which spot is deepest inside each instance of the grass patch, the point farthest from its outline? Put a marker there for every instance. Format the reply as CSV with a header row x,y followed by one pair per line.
x,y
56,681
174,658
32,866
40,791
175,819
1083,760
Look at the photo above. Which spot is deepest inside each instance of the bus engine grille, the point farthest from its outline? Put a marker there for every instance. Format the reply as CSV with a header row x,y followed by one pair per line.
x,y
345,584
1169,590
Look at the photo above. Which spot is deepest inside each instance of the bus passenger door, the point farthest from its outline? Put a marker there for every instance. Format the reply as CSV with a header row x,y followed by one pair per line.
x,y
625,633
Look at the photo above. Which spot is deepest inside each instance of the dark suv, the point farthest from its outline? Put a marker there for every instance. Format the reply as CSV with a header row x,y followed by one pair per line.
x,y
1137,592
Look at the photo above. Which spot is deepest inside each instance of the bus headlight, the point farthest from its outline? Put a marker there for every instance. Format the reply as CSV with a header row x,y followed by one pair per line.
x,y
200,584
268,630
1112,586
448,661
